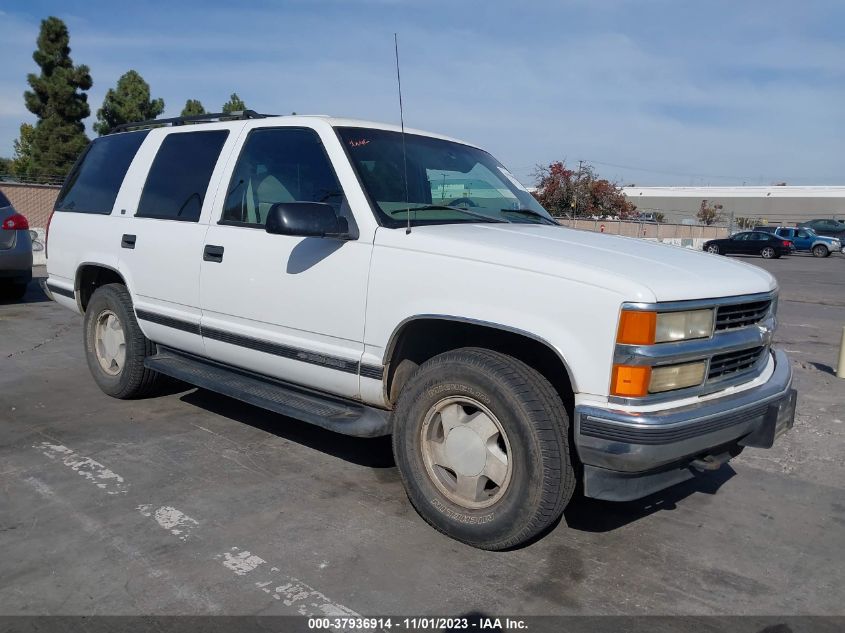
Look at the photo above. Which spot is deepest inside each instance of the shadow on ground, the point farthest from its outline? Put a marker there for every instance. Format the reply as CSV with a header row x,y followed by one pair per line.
x,y
370,452
582,514
34,294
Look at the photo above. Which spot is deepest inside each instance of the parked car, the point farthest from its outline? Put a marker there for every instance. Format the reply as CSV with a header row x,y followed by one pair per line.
x,y
291,263
831,228
805,239
15,251
766,245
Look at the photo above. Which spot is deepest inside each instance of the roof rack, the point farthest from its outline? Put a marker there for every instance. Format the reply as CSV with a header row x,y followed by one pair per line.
x,y
237,115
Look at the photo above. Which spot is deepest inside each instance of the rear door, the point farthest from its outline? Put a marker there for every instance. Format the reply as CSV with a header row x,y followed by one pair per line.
x,y
167,212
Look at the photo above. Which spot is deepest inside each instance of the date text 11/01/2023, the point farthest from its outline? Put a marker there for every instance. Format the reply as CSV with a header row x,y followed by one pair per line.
x,y
416,624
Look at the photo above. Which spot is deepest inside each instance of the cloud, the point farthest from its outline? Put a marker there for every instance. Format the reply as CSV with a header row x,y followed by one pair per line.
x,y
748,91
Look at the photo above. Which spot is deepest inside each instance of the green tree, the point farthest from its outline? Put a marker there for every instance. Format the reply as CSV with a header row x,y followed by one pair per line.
x,y
58,100
129,101
22,163
6,165
193,107
234,104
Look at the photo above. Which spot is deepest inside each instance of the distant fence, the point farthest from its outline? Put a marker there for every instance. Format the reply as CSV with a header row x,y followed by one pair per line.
x,y
34,201
687,235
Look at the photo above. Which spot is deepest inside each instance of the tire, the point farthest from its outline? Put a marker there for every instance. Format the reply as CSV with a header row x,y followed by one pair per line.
x,y
13,291
118,368
461,389
713,248
820,250
769,253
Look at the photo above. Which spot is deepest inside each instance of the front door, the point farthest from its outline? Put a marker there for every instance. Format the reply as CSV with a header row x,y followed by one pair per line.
x,y
288,307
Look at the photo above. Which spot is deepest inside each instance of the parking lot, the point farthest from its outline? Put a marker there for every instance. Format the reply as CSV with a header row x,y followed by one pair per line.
x,y
192,503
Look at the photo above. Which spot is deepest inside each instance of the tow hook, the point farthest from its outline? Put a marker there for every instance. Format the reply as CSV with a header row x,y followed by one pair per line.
x,y
711,462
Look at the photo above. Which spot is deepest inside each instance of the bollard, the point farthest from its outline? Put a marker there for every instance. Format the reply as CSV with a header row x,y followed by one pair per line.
x,y
840,369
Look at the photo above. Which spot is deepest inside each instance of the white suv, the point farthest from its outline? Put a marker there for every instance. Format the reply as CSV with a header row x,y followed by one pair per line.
x,y
372,283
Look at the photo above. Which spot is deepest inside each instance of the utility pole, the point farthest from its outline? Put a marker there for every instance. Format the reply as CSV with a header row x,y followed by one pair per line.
x,y
731,228
575,198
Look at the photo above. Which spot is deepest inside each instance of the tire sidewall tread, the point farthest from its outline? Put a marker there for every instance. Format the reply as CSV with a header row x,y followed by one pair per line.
x,y
135,380
536,422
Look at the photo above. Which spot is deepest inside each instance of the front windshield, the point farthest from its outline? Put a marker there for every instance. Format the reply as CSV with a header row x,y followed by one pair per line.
x,y
447,182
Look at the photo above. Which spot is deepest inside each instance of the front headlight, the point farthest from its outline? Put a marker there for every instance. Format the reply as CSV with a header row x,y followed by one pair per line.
x,y
681,326
637,327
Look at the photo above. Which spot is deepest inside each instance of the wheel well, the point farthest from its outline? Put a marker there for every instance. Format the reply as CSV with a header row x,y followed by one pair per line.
x,y
90,277
422,339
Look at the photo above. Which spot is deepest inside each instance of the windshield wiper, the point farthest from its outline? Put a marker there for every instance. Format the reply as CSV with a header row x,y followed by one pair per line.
x,y
443,207
532,213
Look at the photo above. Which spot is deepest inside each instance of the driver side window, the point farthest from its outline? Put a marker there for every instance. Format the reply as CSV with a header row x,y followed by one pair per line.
x,y
279,165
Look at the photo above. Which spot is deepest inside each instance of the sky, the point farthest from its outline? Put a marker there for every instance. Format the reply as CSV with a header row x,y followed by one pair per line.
x,y
651,92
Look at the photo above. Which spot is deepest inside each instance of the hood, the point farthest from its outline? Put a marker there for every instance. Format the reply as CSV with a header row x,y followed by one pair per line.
x,y
640,270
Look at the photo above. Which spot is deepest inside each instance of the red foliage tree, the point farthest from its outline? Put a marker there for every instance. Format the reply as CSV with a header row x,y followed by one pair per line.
x,y
566,192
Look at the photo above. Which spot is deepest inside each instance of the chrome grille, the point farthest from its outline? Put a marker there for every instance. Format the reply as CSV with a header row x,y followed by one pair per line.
x,y
733,363
741,314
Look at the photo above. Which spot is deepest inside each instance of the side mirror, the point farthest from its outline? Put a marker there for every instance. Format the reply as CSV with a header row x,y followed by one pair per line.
x,y
33,235
306,219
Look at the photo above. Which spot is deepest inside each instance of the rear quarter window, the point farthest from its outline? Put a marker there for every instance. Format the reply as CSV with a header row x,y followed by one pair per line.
x,y
179,176
96,178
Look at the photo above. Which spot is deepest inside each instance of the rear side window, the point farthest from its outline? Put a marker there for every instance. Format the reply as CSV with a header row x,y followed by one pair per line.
x,y
96,178
178,179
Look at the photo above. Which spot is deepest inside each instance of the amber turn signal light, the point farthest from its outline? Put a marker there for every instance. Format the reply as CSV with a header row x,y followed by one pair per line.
x,y
637,327
630,381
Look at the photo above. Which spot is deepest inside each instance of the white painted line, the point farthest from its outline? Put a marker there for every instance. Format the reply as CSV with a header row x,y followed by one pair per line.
x,y
240,562
288,590
174,521
196,599
104,478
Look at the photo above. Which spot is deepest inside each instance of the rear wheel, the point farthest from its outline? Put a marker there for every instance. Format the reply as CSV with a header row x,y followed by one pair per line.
x,y
13,290
820,250
713,248
481,441
768,253
115,347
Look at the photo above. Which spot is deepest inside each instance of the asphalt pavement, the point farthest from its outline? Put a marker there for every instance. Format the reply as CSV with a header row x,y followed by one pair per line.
x,y
193,503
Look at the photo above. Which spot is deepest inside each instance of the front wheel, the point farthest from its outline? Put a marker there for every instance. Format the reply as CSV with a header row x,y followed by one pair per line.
x,y
115,347
820,250
481,442
768,253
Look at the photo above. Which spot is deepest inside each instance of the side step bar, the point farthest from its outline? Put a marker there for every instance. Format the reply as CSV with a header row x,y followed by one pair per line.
x,y
334,414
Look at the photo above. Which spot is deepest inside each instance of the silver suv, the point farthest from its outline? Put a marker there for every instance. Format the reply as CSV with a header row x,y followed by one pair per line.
x,y
15,251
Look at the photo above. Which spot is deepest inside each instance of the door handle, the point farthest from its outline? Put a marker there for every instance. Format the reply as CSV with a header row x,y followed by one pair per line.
x,y
127,241
212,253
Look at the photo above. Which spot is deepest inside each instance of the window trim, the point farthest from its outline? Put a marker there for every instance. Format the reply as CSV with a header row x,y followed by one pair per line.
x,y
149,170
252,225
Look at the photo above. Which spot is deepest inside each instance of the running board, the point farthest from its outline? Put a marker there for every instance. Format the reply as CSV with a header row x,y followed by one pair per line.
x,y
334,414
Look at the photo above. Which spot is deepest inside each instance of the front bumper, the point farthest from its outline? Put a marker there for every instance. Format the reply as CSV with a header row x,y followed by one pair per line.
x,y
629,455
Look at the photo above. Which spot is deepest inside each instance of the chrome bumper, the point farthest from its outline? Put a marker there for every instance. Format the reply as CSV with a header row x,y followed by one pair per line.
x,y
629,455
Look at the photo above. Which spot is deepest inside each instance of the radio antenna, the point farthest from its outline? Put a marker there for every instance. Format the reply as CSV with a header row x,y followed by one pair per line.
x,y
402,124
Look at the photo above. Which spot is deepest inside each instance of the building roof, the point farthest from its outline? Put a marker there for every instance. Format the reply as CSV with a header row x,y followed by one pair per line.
x,y
770,191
